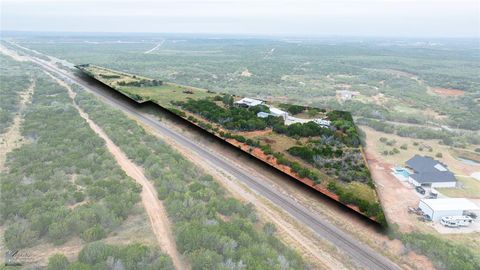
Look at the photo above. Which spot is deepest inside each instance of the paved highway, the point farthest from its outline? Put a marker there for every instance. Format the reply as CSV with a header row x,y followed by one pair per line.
x,y
361,254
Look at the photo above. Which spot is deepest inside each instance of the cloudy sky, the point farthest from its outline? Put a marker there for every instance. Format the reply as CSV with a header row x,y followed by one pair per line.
x,y
414,18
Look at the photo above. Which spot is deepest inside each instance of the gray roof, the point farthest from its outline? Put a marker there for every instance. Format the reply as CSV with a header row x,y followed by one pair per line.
x,y
428,170
434,177
422,164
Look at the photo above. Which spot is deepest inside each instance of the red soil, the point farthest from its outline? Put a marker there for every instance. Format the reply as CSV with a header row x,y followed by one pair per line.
x,y
446,92
272,161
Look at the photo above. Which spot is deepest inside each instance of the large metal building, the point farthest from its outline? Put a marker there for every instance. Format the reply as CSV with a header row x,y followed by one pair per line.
x,y
438,208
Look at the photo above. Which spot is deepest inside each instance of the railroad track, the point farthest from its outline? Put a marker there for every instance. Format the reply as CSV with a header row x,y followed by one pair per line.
x,y
362,255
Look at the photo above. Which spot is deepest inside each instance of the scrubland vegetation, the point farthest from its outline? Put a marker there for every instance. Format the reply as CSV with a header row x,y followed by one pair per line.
x,y
309,71
444,253
224,118
98,255
232,118
14,78
394,81
211,229
333,151
62,183
451,138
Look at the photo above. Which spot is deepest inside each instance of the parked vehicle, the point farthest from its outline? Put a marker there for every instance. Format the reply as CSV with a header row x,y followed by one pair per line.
x,y
456,221
433,194
424,218
471,214
420,190
415,210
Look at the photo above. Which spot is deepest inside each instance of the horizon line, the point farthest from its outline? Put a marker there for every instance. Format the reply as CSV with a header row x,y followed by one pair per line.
x,y
277,35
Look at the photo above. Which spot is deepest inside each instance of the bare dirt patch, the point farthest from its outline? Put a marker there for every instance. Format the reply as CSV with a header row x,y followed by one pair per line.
x,y
390,190
246,73
255,133
448,92
449,155
379,99
12,54
153,206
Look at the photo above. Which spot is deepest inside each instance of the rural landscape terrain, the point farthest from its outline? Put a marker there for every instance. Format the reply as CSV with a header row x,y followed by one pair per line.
x,y
318,147
90,182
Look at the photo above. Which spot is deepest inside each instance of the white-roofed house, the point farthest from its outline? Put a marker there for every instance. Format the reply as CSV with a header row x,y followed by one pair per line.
x,y
262,114
278,113
438,208
248,102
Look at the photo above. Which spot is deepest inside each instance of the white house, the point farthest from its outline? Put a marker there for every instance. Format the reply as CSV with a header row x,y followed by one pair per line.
x,y
278,113
262,114
322,122
430,172
248,102
346,94
438,208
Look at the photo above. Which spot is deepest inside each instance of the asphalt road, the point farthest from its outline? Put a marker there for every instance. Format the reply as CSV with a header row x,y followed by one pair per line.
x,y
360,253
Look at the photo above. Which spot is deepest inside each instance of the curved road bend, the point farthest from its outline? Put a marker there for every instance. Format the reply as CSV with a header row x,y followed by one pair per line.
x,y
360,253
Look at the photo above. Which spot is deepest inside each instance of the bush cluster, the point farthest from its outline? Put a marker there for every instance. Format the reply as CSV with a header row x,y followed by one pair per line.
x,y
371,209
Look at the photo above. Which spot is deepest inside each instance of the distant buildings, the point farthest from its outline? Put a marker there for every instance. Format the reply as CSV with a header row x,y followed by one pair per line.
x,y
248,102
430,172
346,94
273,111
262,114
323,122
278,113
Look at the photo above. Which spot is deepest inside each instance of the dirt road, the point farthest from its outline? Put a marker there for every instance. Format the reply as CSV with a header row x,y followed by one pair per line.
x,y
153,206
321,254
359,252
12,138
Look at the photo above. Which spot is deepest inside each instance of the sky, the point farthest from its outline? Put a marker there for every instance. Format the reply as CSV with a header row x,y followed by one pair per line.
x,y
387,18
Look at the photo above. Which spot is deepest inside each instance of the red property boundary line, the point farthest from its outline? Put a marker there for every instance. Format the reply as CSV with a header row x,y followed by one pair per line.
x,y
271,161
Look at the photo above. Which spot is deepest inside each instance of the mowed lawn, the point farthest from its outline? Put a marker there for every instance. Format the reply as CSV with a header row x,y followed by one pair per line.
x,y
362,191
468,188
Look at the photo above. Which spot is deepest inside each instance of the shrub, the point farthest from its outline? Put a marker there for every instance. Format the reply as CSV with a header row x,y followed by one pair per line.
x,y
58,262
443,253
93,234
391,142
19,236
